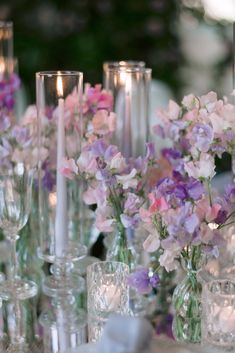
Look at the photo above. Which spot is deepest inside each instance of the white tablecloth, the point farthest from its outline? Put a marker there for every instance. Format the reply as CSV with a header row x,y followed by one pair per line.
x,y
160,345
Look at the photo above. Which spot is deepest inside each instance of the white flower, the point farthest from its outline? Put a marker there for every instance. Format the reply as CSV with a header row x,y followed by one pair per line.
x,y
204,168
128,181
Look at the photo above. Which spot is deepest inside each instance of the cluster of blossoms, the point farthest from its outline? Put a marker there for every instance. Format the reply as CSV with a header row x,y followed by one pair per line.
x,y
116,185
19,140
185,216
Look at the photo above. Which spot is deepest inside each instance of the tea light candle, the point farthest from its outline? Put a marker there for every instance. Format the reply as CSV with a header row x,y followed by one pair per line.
x,y
61,191
227,319
110,296
223,319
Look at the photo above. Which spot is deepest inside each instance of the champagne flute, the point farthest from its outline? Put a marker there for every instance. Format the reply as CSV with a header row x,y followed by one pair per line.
x,y
15,199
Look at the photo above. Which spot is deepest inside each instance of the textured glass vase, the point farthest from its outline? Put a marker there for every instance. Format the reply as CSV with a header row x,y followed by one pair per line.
x,y
187,302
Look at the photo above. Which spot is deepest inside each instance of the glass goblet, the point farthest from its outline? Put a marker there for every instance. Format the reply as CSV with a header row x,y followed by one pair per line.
x,y
15,201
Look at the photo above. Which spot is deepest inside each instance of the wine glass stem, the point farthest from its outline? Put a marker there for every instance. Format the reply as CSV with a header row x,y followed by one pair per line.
x,y
13,259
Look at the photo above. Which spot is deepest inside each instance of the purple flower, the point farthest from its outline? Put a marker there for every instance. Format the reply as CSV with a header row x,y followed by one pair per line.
x,y
194,189
132,203
171,153
150,154
48,181
182,224
165,326
143,280
159,131
4,122
105,176
221,217
202,137
230,193
21,134
129,221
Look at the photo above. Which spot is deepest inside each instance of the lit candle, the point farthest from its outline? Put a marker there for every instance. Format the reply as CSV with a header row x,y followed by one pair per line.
x,y
110,297
223,319
61,222
127,133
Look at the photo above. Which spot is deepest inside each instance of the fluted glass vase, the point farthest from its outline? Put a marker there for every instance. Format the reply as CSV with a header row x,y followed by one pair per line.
x,y
187,300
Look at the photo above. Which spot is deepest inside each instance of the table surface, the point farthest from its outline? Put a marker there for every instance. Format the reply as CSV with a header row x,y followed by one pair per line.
x,y
160,345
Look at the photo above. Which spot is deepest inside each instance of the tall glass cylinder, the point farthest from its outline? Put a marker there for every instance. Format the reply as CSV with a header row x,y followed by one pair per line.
x,y
59,95
130,83
6,49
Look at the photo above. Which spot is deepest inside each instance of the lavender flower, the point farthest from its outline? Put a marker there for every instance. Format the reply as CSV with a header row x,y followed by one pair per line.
x,y
202,137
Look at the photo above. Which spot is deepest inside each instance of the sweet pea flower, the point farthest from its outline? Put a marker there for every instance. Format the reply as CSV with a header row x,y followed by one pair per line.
x,y
152,242
204,168
143,280
172,112
219,123
87,162
95,195
132,203
205,212
104,122
69,168
5,123
129,221
104,223
202,136
168,259
190,102
118,162
128,181
157,204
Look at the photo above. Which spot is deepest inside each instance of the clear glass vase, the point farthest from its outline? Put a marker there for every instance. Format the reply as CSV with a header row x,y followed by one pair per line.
x,y
120,248
187,301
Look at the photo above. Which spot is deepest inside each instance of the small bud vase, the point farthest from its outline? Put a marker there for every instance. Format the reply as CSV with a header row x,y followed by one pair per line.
x,y
121,249
187,299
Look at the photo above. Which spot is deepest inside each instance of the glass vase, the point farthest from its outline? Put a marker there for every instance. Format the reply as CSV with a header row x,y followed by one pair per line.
x,y
187,301
129,82
120,248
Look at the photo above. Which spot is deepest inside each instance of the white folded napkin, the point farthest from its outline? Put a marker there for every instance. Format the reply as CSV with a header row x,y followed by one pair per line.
x,y
124,334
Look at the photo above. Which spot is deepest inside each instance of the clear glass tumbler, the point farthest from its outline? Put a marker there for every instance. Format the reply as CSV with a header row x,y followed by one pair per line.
x,y
218,313
107,293
130,83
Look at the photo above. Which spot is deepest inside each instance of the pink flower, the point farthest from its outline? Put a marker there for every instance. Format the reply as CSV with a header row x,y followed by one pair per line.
x,y
168,258
190,102
30,115
95,195
87,163
103,221
69,168
204,168
204,211
145,215
171,113
219,123
118,162
157,204
104,122
152,243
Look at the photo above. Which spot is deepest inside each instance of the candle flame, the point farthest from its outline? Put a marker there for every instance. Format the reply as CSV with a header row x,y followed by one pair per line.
x,y
128,83
2,66
122,77
59,85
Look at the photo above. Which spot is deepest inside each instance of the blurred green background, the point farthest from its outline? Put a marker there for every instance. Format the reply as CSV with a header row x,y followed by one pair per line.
x,y
186,43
